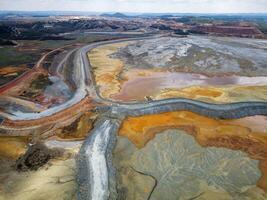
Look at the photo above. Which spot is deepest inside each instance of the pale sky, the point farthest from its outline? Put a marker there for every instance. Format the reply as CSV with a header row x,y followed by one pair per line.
x,y
152,6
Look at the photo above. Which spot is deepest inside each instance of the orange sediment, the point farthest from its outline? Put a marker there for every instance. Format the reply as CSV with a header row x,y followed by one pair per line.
x,y
194,92
118,82
84,105
106,69
262,183
12,70
13,147
137,128
217,94
241,134
78,129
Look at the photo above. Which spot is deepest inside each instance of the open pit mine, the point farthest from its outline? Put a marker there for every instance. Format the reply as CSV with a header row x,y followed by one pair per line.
x,y
150,117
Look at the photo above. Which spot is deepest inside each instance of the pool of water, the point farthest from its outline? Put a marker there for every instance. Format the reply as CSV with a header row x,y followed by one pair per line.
x,y
137,87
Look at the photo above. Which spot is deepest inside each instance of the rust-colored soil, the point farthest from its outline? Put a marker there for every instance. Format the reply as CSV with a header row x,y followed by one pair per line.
x,y
242,134
10,70
12,147
106,69
217,94
83,106
78,129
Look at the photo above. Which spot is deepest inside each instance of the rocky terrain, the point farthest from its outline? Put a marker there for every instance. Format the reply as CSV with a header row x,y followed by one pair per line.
x,y
205,55
51,29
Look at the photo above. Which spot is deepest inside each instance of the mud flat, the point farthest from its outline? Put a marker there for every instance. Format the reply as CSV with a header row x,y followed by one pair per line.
x,y
143,128
95,154
213,94
159,85
167,169
36,172
197,54
166,67
239,139
56,182
105,68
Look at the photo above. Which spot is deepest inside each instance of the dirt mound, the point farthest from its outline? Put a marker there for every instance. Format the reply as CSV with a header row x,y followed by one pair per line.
x,y
36,156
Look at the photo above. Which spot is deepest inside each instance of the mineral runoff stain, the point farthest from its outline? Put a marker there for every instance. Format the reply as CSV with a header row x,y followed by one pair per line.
x,y
217,94
106,68
118,81
78,129
13,147
247,134
156,83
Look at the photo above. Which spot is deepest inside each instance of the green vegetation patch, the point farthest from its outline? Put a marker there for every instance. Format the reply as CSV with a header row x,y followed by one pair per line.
x,y
10,56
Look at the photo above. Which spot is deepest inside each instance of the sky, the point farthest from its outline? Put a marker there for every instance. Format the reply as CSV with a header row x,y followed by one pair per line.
x,y
141,6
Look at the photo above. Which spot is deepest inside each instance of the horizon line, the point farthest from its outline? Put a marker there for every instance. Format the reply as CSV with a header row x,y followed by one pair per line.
x,y
127,12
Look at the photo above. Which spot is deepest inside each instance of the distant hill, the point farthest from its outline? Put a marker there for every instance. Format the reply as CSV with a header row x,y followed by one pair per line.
x,y
118,15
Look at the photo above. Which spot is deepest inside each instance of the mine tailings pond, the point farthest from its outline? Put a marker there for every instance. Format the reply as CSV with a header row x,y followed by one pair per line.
x,y
140,86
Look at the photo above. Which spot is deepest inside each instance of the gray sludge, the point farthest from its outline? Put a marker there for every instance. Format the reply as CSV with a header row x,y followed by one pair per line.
x,y
96,176
218,111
